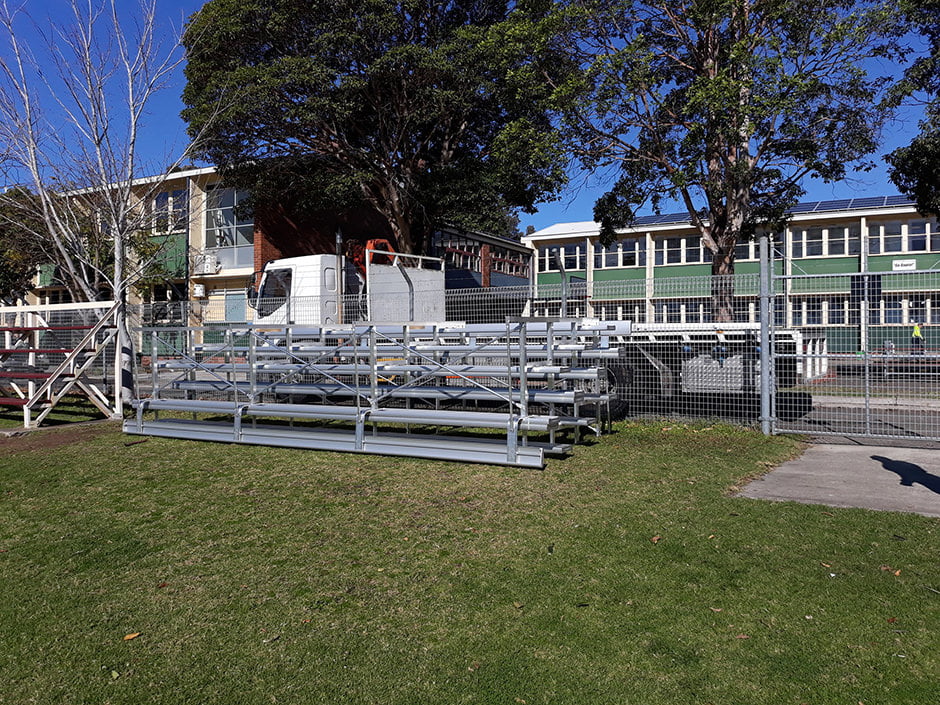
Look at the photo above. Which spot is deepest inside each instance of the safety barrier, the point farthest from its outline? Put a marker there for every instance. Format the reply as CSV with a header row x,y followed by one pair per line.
x,y
51,351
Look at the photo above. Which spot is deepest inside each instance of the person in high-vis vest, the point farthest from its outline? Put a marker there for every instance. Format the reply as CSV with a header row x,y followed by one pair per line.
x,y
917,340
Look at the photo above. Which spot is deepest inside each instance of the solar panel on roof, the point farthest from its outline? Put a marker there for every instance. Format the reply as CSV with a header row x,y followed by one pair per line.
x,y
662,218
837,205
840,204
803,207
671,217
898,201
874,202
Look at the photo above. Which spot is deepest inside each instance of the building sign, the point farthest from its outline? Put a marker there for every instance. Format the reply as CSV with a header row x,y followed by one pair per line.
x,y
904,265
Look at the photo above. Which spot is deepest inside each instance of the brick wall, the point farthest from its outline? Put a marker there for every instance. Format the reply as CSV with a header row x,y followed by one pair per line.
x,y
279,235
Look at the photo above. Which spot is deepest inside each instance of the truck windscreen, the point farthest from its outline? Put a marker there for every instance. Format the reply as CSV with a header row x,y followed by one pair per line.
x,y
274,292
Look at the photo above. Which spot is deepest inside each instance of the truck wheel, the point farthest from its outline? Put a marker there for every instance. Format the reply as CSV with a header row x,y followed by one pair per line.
x,y
620,383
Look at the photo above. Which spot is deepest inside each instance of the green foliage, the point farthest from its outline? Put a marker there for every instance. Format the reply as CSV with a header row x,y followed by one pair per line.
x,y
428,112
20,247
725,105
915,169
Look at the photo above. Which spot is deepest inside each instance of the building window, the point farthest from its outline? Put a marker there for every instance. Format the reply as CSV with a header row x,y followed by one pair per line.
x,y
836,311
917,309
917,236
572,257
835,241
171,212
743,309
894,311
813,242
694,252
546,260
779,244
874,239
892,237
606,257
796,312
796,244
634,252
814,312
669,312
229,235
855,240
742,251
669,250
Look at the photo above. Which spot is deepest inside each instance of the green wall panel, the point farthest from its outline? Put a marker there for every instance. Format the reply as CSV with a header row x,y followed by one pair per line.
x,y
885,263
46,274
843,340
171,258
681,270
632,273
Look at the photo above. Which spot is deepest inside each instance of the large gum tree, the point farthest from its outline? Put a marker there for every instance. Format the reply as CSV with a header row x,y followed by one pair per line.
x,y
915,168
724,107
427,112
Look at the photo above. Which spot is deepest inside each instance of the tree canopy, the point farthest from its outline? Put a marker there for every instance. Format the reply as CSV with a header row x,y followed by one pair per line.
x,y
915,169
20,249
724,106
429,112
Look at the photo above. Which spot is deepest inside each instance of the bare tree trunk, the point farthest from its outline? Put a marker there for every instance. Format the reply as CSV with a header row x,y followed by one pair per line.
x,y
722,282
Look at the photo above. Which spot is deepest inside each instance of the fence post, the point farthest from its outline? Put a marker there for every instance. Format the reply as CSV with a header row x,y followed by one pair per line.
x,y
766,323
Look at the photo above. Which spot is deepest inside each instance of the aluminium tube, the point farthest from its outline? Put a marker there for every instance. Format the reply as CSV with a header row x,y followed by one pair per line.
x,y
766,323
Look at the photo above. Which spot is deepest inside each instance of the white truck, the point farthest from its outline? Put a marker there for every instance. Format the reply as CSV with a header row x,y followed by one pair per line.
x,y
309,290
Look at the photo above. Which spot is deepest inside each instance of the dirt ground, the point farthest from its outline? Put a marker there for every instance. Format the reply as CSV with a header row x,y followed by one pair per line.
x,y
20,441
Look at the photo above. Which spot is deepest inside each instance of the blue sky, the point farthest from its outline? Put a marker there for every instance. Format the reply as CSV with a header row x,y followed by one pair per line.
x,y
165,133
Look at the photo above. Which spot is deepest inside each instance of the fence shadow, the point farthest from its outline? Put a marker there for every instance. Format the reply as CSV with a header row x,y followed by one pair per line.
x,y
910,473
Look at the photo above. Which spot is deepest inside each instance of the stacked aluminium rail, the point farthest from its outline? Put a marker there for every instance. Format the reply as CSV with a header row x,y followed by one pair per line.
x,y
367,387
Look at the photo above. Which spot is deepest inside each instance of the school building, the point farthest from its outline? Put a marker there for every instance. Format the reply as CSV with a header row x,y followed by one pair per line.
x,y
832,258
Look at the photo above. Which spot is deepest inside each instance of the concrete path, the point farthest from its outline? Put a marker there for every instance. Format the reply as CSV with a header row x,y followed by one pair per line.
x,y
870,477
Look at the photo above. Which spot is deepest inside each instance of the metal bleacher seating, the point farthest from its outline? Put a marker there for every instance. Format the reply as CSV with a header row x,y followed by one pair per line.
x,y
371,388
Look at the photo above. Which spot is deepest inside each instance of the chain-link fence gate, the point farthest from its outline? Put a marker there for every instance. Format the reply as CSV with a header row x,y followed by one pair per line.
x,y
870,355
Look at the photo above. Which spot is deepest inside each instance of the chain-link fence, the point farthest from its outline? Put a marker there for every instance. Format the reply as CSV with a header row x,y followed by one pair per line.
x,y
871,360
852,354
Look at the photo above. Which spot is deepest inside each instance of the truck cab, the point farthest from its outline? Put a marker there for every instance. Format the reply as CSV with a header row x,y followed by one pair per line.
x,y
300,290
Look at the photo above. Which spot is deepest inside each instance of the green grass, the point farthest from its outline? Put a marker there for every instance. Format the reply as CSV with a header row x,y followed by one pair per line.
x,y
627,573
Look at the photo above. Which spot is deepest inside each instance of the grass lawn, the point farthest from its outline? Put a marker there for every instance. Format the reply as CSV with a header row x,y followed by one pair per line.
x,y
626,573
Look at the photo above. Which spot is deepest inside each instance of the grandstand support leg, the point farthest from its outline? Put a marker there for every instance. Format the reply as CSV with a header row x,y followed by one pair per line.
x,y
512,437
360,429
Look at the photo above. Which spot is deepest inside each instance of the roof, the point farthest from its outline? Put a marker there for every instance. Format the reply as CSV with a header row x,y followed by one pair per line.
x,y
589,227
